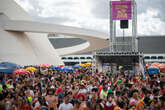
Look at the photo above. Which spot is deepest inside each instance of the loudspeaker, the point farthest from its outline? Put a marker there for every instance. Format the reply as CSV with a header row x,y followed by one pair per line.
x,y
123,24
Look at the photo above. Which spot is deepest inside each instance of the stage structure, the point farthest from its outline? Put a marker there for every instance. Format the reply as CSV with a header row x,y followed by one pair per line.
x,y
122,52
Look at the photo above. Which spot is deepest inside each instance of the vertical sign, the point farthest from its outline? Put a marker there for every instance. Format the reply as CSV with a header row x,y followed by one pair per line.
x,y
121,10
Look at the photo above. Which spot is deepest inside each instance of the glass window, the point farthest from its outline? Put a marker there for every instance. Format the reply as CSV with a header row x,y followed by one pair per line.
x,y
153,57
83,62
147,57
160,57
82,57
63,58
70,58
89,57
76,58
70,63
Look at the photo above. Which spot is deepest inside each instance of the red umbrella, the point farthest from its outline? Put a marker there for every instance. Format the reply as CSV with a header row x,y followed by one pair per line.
x,y
61,65
155,64
21,71
44,65
162,66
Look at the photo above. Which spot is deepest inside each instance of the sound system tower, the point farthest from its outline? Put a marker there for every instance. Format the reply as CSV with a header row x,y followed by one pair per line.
x,y
124,24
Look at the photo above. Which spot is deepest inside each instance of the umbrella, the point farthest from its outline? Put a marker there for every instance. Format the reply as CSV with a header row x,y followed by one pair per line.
x,y
70,70
61,69
6,70
153,70
88,64
21,71
44,65
61,65
67,69
162,66
10,65
77,66
7,67
83,65
55,67
31,69
155,64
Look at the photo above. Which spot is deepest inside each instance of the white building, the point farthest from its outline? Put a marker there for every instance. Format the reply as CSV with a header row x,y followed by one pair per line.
x,y
24,41
151,46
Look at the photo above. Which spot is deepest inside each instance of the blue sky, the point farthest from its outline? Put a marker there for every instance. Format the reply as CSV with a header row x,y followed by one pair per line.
x,y
94,14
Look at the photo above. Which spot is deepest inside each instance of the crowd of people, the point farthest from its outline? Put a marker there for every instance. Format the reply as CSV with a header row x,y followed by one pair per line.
x,y
81,90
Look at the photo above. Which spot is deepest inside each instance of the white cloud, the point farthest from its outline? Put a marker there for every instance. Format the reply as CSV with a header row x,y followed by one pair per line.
x,y
148,24
80,13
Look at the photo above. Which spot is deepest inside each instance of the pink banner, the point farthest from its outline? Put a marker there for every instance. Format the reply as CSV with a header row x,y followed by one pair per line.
x,y
121,10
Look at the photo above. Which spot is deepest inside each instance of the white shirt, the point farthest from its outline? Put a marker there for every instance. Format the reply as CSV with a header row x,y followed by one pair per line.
x,y
64,106
83,91
90,87
32,93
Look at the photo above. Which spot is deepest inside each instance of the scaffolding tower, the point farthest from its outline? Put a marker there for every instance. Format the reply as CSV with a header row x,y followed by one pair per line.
x,y
121,51
114,44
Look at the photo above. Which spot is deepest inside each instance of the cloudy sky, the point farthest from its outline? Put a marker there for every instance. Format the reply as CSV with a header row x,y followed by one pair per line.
x,y
94,14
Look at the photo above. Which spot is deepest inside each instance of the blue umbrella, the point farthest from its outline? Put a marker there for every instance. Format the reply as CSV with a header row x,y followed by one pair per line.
x,y
55,67
10,65
66,69
6,70
61,69
70,70
7,67
153,70
77,66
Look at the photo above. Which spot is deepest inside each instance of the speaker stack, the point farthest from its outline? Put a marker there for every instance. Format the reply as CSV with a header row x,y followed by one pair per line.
x,y
123,24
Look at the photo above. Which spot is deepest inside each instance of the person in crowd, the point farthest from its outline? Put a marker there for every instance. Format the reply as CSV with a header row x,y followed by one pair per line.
x,y
66,105
49,89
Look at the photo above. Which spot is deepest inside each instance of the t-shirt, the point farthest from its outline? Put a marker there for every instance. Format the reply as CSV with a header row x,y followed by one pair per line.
x,y
109,106
64,106
83,91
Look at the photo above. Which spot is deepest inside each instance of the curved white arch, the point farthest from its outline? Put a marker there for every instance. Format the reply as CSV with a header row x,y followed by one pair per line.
x,y
23,40
93,37
73,49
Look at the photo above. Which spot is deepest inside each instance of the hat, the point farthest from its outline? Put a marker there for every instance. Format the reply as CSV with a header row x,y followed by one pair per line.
x,y
83,81
81,95
82,84
132,102
74,82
